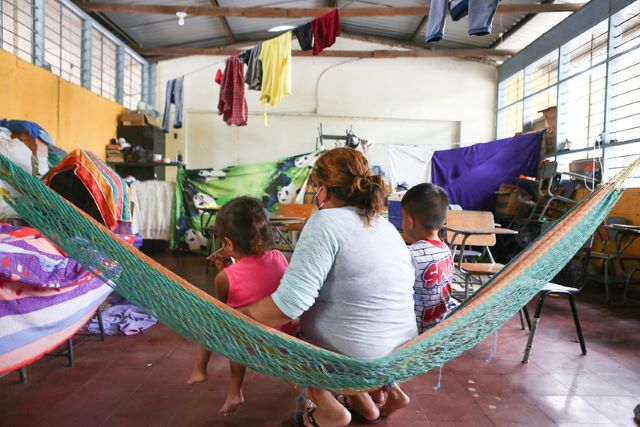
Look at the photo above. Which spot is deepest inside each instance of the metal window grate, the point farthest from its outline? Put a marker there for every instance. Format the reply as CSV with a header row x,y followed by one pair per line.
x,y
625,28
581,109
617,157
132,82
63,41
624,92
510,120
541,74
104,65
511,90
584,51
16,21
534,104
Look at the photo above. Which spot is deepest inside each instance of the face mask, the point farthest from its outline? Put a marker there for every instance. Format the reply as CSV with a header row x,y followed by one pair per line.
x,y
315,198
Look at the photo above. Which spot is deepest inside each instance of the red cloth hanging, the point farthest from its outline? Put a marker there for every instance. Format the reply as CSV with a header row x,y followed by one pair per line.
x,y
325,30
232,104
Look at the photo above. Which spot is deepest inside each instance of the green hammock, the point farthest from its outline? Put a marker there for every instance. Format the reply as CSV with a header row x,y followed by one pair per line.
x,y
204,320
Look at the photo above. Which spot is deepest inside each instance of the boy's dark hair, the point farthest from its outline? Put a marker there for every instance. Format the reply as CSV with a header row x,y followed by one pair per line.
x,y
427,204
244,222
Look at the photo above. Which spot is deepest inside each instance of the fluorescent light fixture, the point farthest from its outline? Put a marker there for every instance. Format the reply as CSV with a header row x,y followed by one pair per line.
x,y
280,28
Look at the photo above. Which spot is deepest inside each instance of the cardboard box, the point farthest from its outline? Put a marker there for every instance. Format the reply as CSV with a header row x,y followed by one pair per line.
x,y
509,199
136,119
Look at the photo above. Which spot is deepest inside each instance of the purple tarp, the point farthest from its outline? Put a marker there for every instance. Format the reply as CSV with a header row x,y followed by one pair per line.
x,y
471,175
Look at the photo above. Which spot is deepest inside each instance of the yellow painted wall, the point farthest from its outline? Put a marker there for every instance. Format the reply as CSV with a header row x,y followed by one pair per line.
x,y
75,117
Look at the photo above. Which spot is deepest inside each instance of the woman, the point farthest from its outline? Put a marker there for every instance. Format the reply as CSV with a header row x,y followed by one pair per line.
x,y
350,282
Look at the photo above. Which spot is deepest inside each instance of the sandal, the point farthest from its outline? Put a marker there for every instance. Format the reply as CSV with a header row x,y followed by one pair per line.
x,y
297,418
355,415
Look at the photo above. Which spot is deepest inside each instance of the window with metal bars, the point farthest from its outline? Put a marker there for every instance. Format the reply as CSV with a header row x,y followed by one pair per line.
x,y
584,51
132,82
541,74
511,90
16,23
63,41
534,104
104,65
581,109
624,92
617,157
510,120
625,29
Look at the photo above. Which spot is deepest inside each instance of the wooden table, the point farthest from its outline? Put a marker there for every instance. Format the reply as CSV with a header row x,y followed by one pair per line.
x,y
278,222
471,231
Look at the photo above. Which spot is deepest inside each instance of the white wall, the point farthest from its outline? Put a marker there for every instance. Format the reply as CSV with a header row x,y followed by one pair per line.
x,y
435,102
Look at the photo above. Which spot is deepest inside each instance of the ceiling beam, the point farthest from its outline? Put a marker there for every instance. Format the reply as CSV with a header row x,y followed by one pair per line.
x,y
382,54
517,26
279,12
227,27
386,41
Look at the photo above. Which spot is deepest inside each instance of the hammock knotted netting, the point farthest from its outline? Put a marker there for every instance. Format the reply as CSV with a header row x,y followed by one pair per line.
x,y
202,319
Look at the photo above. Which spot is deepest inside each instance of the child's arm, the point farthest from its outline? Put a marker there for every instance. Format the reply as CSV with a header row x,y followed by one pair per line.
x,y
221,285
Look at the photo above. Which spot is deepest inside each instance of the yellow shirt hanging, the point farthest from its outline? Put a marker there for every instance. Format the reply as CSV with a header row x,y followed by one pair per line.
x,y
276,70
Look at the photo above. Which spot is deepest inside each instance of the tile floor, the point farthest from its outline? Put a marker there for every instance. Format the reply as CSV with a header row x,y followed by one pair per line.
x,y
140,380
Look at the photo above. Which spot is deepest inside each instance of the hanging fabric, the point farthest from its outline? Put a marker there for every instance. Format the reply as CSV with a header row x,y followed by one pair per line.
x,y
481,13
276,70
251,58
325,30
305,36
232,105
174,96
409,164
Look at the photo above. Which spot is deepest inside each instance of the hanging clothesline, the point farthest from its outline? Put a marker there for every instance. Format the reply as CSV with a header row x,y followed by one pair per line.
x,y
215,64
268,69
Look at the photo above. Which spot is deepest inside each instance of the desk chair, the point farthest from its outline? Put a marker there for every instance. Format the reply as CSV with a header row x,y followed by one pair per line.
x,y
547,191
290,232
578,279
475,219
608,255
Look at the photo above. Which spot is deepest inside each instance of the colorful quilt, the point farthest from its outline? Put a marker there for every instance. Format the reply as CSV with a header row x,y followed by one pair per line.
x,y
197,190
45,297
108,190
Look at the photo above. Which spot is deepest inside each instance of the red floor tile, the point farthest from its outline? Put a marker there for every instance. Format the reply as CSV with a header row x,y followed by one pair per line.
x,y
140,380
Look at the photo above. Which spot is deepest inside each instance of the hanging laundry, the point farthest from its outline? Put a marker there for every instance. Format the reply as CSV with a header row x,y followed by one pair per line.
x,y
232,105
481,13
458,9
276,70
174,96
325,30
305,36
251,59
218,77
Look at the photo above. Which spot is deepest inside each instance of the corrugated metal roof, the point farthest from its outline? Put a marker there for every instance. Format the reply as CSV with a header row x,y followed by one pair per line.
x,y
200,31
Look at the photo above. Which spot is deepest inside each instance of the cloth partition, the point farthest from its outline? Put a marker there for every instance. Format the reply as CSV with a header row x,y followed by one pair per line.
x,y
410,164
152,208
471,175
200,191
86,181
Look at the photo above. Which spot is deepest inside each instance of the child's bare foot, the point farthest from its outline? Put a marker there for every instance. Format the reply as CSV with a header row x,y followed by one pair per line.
x,y
231,404
396,400
197,377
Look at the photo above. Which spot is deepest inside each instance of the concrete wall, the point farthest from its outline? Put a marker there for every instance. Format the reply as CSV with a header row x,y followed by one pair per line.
x,y
75,117
434,102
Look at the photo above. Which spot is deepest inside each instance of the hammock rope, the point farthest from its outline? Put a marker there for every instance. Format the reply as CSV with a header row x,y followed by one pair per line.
x,y
199,317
